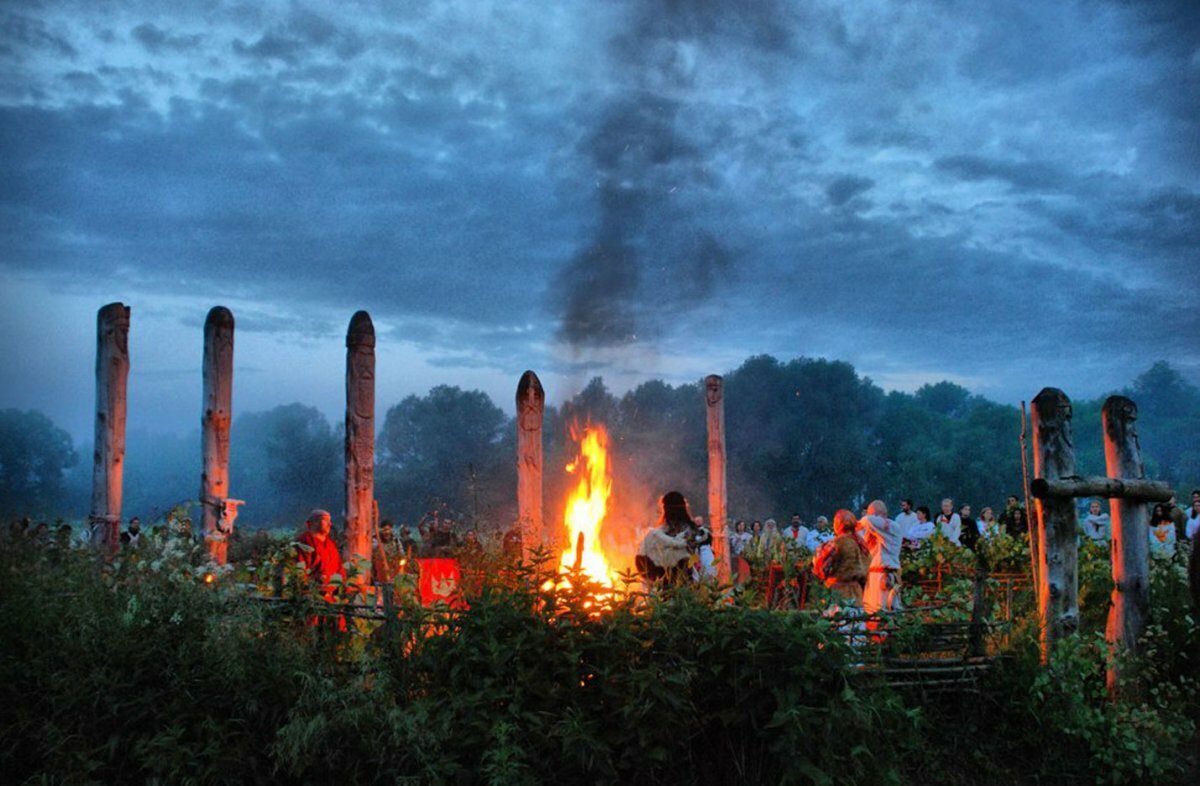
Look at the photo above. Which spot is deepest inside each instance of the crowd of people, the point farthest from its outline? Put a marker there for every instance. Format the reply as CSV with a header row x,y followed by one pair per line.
x,y
858,556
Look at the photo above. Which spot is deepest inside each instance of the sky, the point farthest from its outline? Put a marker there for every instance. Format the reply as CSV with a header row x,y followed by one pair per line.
x,y
1002,194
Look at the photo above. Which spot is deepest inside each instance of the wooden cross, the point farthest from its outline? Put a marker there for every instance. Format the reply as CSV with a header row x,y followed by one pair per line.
x,y
1126,487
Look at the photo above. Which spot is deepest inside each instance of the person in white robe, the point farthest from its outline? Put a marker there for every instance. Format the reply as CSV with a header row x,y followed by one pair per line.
x,y
883,539
1097,525
948,523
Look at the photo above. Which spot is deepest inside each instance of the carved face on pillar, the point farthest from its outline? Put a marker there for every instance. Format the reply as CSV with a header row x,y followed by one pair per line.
x,y
712,389
1054,418
362,366
1120,416
115,327
531,402
223,341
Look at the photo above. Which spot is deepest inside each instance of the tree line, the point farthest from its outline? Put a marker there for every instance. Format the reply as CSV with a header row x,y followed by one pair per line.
x,y
804,435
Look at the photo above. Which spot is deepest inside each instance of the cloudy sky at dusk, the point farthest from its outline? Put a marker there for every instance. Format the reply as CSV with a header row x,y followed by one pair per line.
x,y
1003,194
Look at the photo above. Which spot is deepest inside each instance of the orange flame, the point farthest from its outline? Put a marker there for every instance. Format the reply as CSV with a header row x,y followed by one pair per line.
x,y
587,506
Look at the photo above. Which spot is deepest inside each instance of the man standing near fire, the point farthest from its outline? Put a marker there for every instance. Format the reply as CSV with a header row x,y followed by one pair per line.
x,y
883,538
318,553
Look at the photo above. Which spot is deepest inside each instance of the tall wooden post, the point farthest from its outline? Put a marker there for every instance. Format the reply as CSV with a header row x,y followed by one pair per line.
x,y
714,399
360,441
215,417
108,460
1058,579
1130,549
531,406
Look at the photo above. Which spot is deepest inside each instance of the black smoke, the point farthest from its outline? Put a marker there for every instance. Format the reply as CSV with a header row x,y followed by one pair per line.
x,y
651,257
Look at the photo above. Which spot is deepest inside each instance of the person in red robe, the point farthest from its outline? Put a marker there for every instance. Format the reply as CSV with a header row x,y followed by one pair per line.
x,y
321,559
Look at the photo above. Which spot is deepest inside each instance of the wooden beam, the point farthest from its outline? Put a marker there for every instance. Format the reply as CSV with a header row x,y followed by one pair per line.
x,y
1058,556
215,417
1130,548
714,399
531,406
360,441
108,460
1132,489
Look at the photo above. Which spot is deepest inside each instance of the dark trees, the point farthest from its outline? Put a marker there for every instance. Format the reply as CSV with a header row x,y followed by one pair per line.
x,y
284,462
450,447
34,453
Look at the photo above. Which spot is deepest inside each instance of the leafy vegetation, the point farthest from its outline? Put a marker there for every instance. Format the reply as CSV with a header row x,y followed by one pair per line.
x,y
140,670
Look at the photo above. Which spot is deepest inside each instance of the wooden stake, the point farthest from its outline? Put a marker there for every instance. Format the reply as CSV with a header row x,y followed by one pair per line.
x,y
1130,548
215,417
531,406
108,465
1030,515
714,399
1058,580
360,441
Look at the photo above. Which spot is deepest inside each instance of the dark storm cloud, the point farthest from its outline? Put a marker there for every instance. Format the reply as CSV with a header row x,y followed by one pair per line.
x,y
1024,175
22,32
157,40
302,32
845,188
957,190
1160,229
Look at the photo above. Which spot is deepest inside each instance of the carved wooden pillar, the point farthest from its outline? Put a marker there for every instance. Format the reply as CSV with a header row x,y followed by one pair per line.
x,y
360,441
215,417
714,398
108,465
1058,580
531,406
1130,549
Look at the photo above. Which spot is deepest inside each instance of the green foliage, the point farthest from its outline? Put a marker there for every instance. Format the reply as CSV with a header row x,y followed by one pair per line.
x,y
138,670
1002,553
34,453
1066,703
1095,584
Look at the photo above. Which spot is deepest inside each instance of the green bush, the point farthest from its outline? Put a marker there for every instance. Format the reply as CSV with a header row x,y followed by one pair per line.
x,y
138,670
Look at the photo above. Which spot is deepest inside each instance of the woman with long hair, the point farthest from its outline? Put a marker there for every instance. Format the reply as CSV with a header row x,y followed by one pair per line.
x,y
665,551
1162,533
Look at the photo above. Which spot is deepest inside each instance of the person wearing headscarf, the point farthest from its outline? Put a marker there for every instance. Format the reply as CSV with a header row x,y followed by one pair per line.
x,y
843,563
318,553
